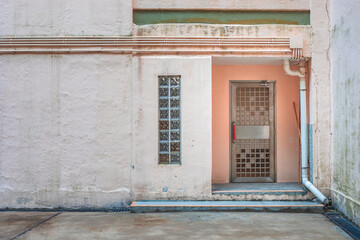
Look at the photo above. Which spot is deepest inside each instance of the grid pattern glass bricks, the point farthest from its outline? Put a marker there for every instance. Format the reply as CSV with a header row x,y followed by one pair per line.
x,y
169,120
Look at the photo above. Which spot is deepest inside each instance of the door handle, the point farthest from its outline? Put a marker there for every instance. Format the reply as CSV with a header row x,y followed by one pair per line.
x,y
233,132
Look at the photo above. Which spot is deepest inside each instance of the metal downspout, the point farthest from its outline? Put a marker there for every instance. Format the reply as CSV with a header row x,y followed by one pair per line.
x,y
304,131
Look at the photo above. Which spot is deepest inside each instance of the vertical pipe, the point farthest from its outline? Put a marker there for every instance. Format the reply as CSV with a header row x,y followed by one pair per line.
x,y
304,131
303,127
304,145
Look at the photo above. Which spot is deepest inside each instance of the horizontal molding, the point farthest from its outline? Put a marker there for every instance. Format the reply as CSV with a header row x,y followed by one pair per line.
x,y
279,46
231,5
345,196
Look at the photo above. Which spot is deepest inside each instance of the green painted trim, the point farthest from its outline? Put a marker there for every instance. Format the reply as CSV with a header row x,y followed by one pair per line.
x,y
144,17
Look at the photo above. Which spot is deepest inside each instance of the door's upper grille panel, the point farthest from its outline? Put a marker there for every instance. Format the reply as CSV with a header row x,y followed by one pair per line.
x,y
252,106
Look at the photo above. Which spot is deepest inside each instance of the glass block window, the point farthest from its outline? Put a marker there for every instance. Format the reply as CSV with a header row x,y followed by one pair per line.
x,y
169,120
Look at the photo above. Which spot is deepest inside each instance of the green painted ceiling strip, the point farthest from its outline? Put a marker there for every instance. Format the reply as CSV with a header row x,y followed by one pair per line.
x,y
144,17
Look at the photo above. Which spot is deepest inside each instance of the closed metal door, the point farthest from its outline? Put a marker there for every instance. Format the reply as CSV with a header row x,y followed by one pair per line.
x,y
252,132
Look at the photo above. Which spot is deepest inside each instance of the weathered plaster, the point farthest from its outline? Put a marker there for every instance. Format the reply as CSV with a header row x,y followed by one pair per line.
x,y
229,4
191,179
345,33
320,94
227,30
67,121
47,18
64,130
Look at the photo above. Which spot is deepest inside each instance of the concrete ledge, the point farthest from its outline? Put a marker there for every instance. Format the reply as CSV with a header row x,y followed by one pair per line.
x,y
264,192
247,206
229,5
260,189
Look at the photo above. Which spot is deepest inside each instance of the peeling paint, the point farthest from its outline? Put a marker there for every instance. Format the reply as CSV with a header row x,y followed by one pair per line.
x,y
346,104
73,126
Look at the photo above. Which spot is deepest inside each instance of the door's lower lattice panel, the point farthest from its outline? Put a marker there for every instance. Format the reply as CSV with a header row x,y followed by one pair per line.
x,y
253,158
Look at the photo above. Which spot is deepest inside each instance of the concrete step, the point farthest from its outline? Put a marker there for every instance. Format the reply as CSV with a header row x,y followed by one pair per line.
x,y
259,189
245,206
259,193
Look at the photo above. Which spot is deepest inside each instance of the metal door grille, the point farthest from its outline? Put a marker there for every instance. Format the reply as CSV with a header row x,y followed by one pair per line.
x,y
252,156
252,106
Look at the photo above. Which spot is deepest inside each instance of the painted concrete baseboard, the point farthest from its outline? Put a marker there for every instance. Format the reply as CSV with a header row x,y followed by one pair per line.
x,y
348,206
246,206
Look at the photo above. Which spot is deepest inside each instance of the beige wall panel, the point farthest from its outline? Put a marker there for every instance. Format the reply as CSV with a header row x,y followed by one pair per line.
x,y
191,179
320,94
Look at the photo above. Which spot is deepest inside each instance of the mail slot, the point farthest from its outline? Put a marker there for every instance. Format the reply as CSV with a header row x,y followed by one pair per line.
x,y
252,132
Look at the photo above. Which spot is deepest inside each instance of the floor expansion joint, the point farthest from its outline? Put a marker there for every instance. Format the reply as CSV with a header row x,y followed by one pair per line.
x,y
24,232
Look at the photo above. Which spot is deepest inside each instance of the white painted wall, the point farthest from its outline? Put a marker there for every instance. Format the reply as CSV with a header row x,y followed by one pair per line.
x,y
320,94
65,127
65,17
191,179
345,52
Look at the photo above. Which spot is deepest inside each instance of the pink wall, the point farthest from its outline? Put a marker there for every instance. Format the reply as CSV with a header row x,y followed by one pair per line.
x,y
287,143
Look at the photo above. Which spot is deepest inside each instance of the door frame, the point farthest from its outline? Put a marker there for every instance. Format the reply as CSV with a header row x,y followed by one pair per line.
x,y
230,124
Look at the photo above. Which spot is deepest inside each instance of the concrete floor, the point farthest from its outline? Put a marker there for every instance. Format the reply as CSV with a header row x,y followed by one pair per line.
x,y
182,225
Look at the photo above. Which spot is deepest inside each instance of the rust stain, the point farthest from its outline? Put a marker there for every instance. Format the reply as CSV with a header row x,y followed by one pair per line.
x,y
142,221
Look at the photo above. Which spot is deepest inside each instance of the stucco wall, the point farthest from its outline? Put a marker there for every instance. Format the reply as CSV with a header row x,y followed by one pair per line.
x,y
287,141
320,94
63,144
345,51
47,18
64,130
191,179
